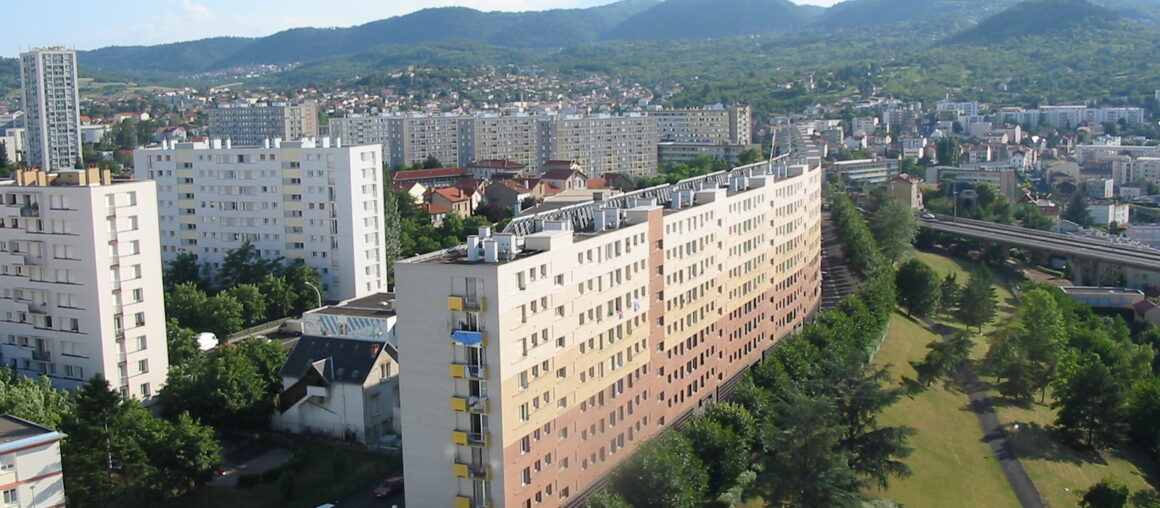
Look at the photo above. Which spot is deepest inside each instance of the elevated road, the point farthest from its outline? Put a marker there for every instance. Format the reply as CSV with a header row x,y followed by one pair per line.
x,y
1070,246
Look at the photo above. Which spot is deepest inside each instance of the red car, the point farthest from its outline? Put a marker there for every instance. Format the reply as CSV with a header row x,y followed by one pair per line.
x,y
390,486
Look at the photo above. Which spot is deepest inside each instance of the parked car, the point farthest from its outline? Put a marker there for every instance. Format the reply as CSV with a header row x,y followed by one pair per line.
x,y
928,215
390,486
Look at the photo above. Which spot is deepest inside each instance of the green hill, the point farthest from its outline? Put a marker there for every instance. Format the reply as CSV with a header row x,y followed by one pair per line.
x,y
699,19
1038,17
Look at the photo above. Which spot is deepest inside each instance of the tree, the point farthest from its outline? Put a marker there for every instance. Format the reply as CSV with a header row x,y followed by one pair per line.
x,y
948,151
35,400
279,296
738,419
1107,493
894,226
1090,404
183,454
245,265
222,315
1042,342
918,288
181,343
392,242
224,390
663,473
944,358
859,393
183,268
948,292
1077,210
977,304
252,302
4,161
431,162
186,304
724,453
605,499
1031,217
306,284
803,463
749,156
1143,414
95,452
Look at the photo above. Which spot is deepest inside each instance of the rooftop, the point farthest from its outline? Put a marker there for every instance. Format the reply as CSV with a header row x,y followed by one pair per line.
x,y
15,429
339,360
376,305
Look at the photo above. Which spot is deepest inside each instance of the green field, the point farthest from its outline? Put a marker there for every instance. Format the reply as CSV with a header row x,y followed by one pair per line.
x,y
952,465
1058,471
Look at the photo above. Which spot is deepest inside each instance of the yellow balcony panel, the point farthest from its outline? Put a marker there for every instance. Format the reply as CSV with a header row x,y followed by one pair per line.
x,y
461,470
459,437
462,502
454,303
458,371
459,404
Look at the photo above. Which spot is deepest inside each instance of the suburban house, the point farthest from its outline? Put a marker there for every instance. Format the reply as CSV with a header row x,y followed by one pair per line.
x,y
30,470
489,168
506,194
342,388
905,188
453,198
565,179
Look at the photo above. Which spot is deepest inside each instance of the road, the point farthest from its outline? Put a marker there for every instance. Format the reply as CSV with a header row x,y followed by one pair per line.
x,y
365,498
1055,243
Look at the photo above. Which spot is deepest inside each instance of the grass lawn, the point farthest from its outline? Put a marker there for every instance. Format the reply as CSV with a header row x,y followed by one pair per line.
x,y
951,464
315,481
1059,471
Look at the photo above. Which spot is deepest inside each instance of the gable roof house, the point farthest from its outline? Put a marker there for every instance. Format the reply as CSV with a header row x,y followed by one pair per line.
x,y
343,388
454,198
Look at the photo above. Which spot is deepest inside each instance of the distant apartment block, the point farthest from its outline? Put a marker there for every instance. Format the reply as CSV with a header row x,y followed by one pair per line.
x,y
716,131
306,200
511,138
863,171
82,292
540,358
1070,116
1128,169
1003,180
48,78
601,143
253,124
30,465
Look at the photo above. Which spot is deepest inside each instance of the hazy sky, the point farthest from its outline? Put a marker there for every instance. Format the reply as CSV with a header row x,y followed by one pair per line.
x,y
88,24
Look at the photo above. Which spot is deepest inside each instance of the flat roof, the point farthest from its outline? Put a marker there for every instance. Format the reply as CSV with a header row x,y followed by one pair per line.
x,y
376,305
15,429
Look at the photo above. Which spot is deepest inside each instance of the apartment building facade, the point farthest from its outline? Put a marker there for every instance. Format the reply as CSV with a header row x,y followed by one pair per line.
x,y
82,287
303,200
721,132
52,118
490,137
569,348
252,124
602,143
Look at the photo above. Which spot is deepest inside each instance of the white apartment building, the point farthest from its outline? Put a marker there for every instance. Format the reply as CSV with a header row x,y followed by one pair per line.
x,y
538,359
52,117
1106,213
251,124
1128,169
602,143
81,291
1070,116
30,466
493,137
303,200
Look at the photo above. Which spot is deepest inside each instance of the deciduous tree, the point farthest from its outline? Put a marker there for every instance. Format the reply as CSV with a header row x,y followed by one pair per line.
x,y
918,288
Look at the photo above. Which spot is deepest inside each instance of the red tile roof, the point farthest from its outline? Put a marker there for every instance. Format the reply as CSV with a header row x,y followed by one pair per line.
x,y
436,209
496,164
452,194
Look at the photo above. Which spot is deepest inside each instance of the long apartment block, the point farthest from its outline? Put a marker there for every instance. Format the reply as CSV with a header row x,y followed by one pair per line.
x,y
306,200
539,358
80,280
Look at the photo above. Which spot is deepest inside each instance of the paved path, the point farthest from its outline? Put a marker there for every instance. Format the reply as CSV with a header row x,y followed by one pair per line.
x,y
994,436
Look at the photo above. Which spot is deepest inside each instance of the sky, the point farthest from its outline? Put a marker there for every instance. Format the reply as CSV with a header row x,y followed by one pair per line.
x,y
86,24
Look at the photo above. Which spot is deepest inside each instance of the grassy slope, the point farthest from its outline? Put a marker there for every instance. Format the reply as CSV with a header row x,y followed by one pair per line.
x,y
952,466
1058,471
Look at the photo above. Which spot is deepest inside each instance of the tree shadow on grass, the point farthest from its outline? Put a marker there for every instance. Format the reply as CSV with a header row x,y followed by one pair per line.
x,y
1034,441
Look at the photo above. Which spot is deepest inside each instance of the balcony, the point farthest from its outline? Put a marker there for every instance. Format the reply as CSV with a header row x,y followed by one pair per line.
x,y
472,472
473,439
468,338
465,303
32,210
463,371
42,356
469,404
467,502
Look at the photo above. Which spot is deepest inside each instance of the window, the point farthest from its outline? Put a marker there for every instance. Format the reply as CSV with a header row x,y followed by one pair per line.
x,y
141,343
143,366
525,445
139,318
525,477
145,390
10,496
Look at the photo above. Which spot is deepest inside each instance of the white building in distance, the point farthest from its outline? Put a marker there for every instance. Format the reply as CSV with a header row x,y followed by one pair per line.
x,y
306,200
52,117
81,291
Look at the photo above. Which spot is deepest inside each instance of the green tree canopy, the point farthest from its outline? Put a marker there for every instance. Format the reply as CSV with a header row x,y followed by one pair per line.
x,y
918,288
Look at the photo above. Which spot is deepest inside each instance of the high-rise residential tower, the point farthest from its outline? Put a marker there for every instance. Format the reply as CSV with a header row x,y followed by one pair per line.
x,y
81,271
539,358
52,114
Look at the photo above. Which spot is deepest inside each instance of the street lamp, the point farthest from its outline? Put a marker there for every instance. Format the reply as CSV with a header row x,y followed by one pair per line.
x,y
316,292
